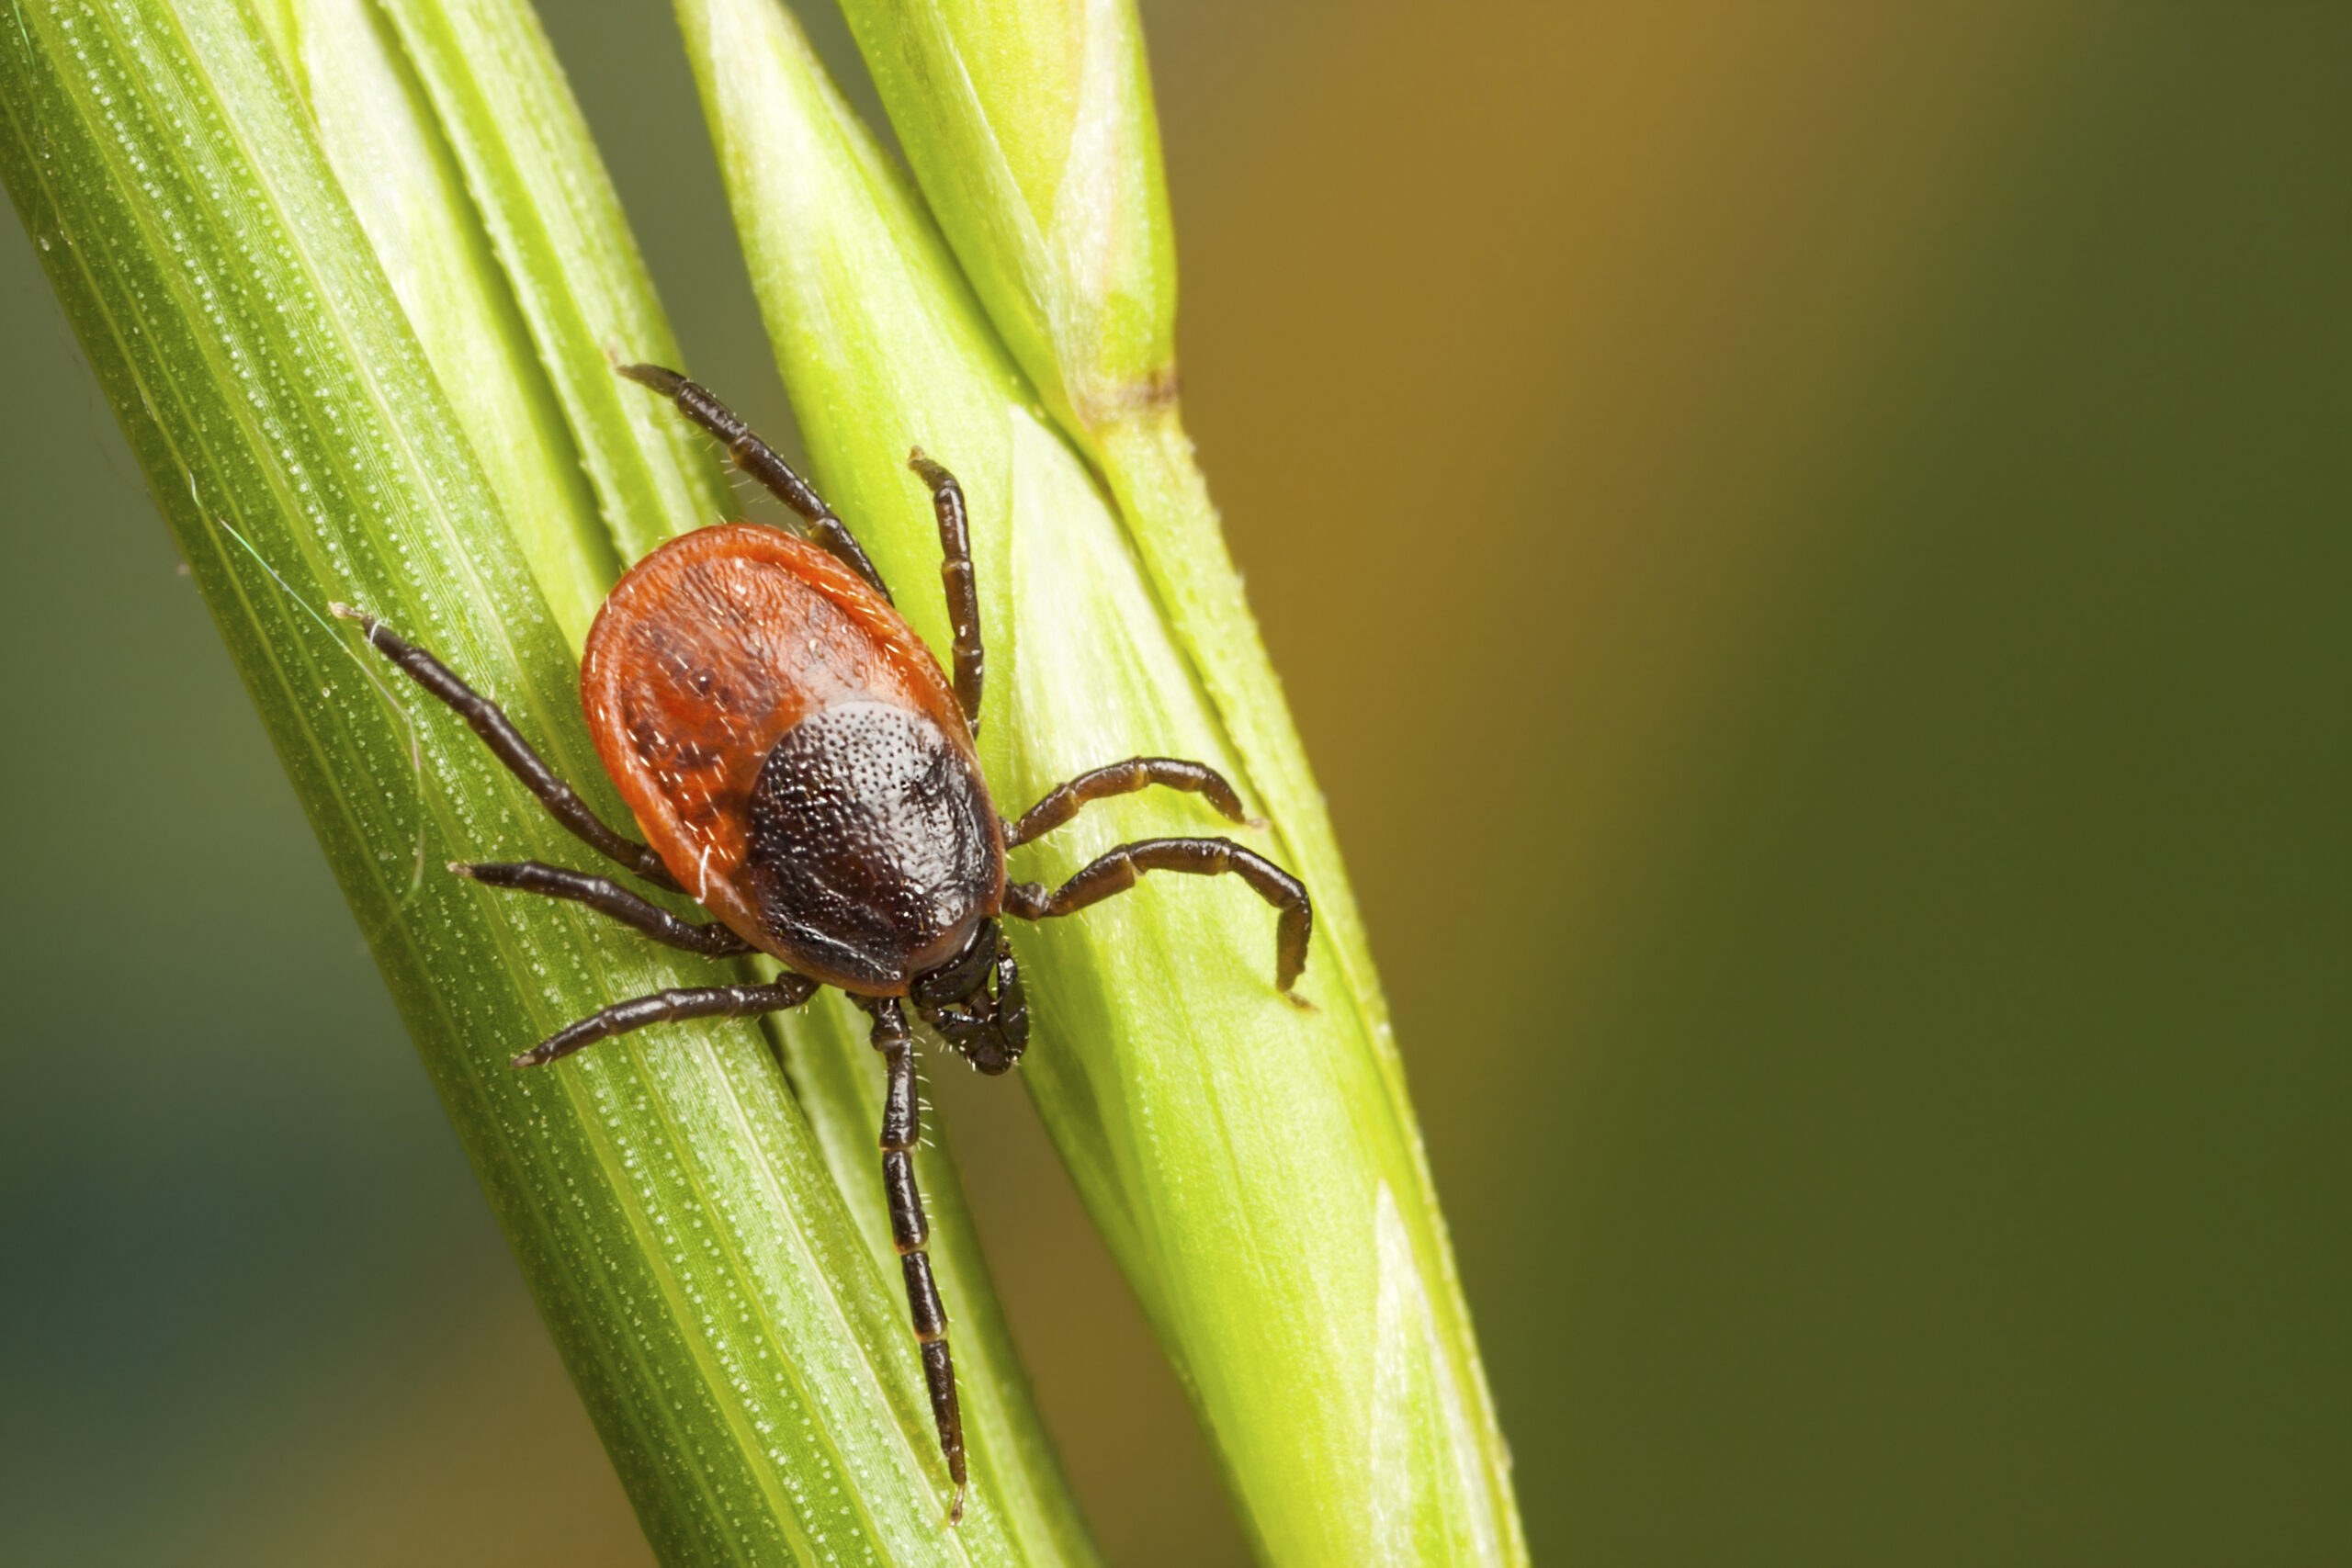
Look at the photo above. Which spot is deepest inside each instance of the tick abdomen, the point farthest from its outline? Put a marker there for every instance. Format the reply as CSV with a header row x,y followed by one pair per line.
x,y
756,702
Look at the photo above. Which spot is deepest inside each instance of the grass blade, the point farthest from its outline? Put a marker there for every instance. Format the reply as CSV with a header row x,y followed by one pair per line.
x,y
1256,1170
390,161
551,212
746,1362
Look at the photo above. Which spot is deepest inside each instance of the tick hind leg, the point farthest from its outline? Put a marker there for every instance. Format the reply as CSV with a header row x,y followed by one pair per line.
x,y
762,461
962,590
487,720
670,1007
1119,870
901,1131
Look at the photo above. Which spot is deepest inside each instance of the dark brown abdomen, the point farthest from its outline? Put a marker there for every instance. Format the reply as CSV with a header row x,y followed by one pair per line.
x,y
872,849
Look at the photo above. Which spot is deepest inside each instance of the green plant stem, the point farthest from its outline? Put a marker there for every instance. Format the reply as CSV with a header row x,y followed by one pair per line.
x,y
1254,1168
575,271
744,1358
392,163
1164,497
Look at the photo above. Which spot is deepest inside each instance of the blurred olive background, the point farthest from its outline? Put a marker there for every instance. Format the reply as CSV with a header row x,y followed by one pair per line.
x,y
1810,545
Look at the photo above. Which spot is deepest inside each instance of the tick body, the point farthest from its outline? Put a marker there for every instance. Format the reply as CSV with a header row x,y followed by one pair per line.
x,y
802,768
794,757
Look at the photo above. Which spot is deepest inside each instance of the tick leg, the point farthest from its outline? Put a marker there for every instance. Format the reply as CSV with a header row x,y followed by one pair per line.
x,y
668,1007
498,732
1117,871
607,898
955,576
901,1130
1123,778
759,460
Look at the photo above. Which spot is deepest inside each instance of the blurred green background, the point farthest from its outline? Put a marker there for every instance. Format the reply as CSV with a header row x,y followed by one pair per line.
x,y
1810,545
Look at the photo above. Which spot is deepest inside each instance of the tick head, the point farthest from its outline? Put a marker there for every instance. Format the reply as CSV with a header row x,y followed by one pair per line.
x,y
975,1001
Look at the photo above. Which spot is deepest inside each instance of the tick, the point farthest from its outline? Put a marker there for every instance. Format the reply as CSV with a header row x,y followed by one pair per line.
x,y
803,769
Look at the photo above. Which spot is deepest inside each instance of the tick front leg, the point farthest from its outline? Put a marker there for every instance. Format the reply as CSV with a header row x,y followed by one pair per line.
x,y
762,461
607,898
669,1007
1119,870
1124,778
487,720
901,1131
